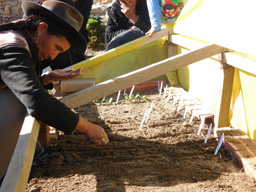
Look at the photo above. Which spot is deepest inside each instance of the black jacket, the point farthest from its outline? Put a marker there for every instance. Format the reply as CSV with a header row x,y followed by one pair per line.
x,y
18,70
118,22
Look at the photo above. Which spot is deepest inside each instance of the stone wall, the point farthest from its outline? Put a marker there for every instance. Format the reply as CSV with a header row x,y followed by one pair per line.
x,y
10,10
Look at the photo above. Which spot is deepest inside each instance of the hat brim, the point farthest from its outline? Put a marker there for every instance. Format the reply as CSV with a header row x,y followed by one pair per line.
x,y
78,43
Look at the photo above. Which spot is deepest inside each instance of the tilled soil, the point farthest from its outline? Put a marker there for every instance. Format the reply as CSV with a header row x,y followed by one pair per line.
x,y
166,154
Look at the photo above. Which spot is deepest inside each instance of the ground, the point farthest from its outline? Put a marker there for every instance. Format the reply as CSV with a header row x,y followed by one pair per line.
x,y
166,154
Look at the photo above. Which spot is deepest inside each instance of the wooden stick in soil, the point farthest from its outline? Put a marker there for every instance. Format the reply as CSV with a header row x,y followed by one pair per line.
x,y
165,91
201,124
150,109
160,89
169,95
219,144
118,96
208,133
143,120
131,92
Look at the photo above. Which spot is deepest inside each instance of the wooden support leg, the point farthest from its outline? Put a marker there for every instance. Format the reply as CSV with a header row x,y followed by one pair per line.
x,y
172,51
223,116
44,135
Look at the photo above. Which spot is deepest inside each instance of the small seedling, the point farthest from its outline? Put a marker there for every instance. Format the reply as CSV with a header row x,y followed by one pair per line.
x,y
104,100
97,101
127,98
137,97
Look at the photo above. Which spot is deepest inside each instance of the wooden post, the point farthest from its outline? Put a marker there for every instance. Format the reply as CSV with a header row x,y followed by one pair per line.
x,y
172,51
223,116
44,135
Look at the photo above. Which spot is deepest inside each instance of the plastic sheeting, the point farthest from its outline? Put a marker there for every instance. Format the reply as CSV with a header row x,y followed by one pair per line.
x,y
123,59
227,23
243,106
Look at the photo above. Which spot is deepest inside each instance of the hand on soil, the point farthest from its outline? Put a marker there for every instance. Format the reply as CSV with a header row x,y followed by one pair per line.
x,y
94,132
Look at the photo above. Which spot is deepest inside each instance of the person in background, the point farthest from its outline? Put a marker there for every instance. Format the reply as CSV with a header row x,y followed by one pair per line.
x,y
163,11
49,29
127,20
84,7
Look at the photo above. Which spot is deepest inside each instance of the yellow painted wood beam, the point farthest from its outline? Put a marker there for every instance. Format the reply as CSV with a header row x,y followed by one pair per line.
x,y
144,74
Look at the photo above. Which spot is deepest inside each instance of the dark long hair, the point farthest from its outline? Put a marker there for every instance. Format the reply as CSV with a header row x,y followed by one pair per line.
x,y
30,23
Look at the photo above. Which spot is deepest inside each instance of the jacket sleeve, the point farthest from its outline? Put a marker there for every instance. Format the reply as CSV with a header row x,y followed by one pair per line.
x,y
18,73
142,11
155,14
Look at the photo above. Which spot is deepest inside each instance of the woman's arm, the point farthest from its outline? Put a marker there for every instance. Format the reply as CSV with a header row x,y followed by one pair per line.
x,y
154,11
18,73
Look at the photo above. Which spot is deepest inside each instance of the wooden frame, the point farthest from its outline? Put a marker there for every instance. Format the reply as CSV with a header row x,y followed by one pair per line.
x,y
20,165
19,168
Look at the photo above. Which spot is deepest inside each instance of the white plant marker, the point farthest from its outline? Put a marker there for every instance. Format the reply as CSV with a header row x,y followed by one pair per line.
x,y
143,120
151,106
124,91
208,133
131,91
176,97
161,88
201,124
165,90
110,100
193,112
215,132
169,95
118,96
192,116
186,109
174,101
219,144
182,98
103,99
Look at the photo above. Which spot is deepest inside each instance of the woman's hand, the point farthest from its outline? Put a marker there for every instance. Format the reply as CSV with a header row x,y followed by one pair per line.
x,y
94,132
128,9
60,74
151,33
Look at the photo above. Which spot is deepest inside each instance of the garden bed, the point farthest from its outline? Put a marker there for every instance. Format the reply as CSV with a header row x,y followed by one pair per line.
x,y
166,154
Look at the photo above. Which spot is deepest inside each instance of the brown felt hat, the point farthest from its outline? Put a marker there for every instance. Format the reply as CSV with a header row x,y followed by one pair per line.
x,y
62,13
